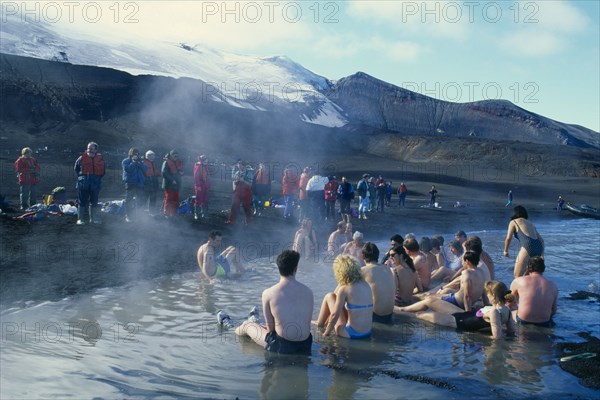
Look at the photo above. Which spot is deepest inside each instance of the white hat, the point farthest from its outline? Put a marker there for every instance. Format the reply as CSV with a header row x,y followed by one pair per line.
x,y
357,235
149,153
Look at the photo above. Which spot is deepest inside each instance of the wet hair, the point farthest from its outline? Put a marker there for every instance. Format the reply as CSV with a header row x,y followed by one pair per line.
x,y
471,257
287,262
536,264
26,150
425,244
346,270
305,223
435,244
409,236
519,212
473,244
133,151
397,238
213,234
439,238
370,252
341,224
499,291
461,234
405,257
411,244
456,244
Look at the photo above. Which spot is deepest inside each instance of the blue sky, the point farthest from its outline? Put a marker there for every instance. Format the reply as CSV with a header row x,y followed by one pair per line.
x,y
541,55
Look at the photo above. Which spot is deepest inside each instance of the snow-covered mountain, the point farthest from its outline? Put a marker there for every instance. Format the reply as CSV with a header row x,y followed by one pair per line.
x,y
255,83
179,81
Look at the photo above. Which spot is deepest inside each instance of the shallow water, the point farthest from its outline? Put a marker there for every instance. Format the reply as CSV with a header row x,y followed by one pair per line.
x,y
158,338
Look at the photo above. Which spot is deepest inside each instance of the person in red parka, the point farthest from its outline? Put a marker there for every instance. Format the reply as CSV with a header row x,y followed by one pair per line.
x,y
331,190
289,187
28,173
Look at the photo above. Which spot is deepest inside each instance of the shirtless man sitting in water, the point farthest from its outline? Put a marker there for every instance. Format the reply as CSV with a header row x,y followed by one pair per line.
x,y
472,284
382,282
536,295
287,307
224,265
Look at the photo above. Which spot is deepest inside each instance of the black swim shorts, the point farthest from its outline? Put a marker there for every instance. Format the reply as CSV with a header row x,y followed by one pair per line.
x,y
277,344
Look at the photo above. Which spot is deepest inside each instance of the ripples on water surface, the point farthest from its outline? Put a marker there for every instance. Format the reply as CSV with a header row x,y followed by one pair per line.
x,y
158,338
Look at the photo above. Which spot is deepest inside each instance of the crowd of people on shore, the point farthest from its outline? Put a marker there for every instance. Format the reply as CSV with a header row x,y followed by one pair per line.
x,y
308,194
453,286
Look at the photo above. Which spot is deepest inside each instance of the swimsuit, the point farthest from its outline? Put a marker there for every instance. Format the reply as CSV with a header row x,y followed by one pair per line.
x,y
355,335
469,321
451,299
534,247
223,267
277,344
356,307
548,324
383,319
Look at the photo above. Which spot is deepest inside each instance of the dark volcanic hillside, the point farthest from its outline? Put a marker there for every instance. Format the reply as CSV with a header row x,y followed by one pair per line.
x,y
63,105
380,105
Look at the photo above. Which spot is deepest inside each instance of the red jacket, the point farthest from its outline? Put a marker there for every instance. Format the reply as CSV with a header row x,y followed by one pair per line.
x,y
152,170
331,189
92,166
28,171
289,183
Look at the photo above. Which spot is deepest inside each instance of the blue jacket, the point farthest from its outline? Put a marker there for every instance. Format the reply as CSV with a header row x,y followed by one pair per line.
x,y
134,172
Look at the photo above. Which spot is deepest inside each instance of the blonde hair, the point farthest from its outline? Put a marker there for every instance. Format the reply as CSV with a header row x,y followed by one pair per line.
x,y
346,270
26,150
499,292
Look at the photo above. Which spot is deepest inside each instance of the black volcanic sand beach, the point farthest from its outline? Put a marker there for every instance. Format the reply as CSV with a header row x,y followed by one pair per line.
x,y
169,246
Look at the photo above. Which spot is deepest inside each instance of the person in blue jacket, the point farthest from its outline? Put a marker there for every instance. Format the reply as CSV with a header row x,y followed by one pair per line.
x,y
134,174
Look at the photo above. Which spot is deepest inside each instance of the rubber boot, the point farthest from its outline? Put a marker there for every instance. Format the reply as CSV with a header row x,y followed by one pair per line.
x,y
94,218
80,215
196,214
202,214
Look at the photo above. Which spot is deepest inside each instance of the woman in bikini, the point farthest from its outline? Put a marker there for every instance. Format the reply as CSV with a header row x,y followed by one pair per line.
x,y
532,244
349,309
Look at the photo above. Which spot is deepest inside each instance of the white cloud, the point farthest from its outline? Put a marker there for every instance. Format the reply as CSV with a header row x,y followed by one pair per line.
x,y
532,43
447,19
347,46
559,16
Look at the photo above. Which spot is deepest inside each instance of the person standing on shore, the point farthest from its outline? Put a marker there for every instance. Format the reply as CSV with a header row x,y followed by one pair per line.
x,y
362,188
432,195
201,187
402,190
536,295
532,244
303,197
560,203
510,199
242,176
346,194
90,169
134,174
261,189
172,171
289,188
28,174
331,191
151,183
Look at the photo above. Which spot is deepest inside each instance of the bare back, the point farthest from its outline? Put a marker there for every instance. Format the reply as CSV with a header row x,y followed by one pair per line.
x,y
423,268
537,297
406,281
288,307
206,260
383,285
